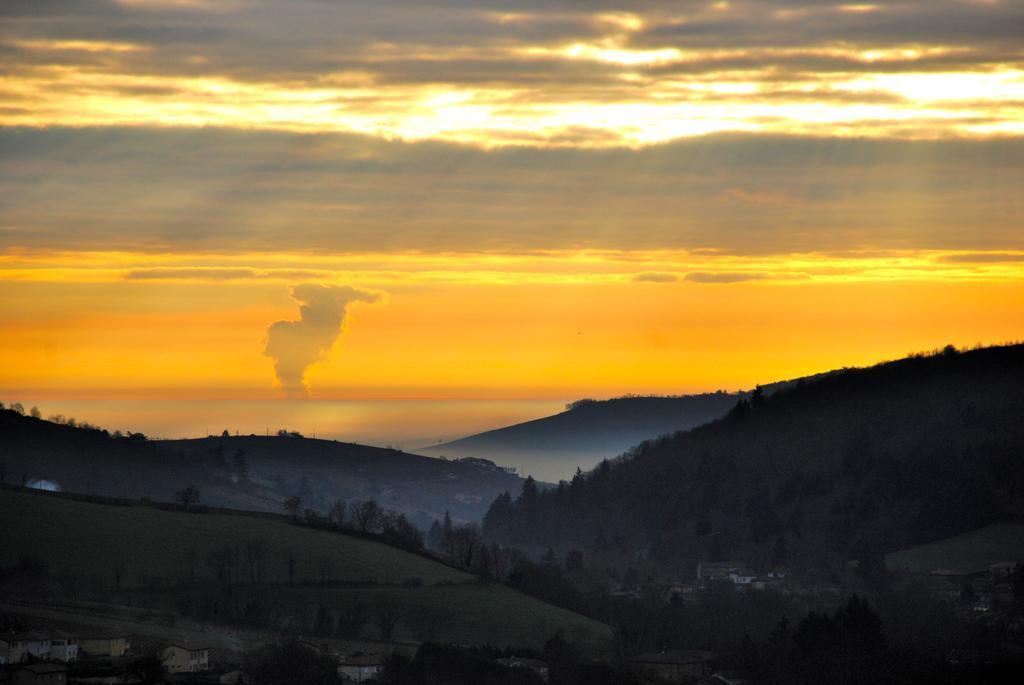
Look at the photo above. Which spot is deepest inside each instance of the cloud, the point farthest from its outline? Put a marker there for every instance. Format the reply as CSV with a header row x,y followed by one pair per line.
x,y
296,345
655,277
219,191
472,72
985,257
721,277
205,274
216,273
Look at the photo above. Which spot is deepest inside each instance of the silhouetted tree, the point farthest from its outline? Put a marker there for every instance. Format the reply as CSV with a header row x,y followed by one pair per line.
x,y
187,496
292,506
366,516
292,663
336,515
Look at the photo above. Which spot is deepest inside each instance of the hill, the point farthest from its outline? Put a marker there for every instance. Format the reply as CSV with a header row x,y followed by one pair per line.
x,y
247,472
588,431
971,552
201,564
845,465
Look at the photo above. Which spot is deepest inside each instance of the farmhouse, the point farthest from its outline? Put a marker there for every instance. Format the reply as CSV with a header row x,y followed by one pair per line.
x,y
359,669
181,659
539,668
710,571
63,647
674,666
1002,569
31,643
113,645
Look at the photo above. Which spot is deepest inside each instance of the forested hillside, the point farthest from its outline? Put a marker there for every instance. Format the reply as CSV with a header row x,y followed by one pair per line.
x,y
842,466
589,430
246,472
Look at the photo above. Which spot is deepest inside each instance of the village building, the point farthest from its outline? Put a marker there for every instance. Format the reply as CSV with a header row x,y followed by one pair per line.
x,y
63,647
32,643
181,659
361,668
1002,569
112,645
674,666
538,667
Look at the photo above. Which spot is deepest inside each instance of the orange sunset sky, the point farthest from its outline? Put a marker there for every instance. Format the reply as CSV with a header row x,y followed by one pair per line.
x,y
532,200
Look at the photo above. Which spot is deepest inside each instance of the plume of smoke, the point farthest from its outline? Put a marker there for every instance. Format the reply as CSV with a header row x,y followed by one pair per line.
x,y
295,345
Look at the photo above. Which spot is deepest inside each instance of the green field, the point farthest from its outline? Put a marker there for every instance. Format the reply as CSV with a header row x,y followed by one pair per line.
x,y
163,549
971,552
99,541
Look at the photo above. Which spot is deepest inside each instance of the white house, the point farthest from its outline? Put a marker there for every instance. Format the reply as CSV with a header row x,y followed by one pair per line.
x,y
359,669
181,659
63,647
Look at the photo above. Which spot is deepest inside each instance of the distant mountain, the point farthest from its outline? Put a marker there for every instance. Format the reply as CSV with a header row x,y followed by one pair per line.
x,y
590,430
251,472
841,466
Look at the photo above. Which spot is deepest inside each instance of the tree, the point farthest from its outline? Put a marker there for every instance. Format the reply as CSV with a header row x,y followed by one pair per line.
x,y
292,663
225,434
35,413
435,537
292,506
147,670
17,408
255,551
336,515
387,618
187,497
401,532
366,515
528,497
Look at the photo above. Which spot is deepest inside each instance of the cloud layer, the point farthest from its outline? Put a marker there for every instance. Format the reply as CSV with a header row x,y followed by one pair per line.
x,y
528,73
215,190
296,345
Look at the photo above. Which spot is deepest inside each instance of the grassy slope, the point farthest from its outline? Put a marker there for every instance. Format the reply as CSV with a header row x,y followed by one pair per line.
x,y
94,540
968,553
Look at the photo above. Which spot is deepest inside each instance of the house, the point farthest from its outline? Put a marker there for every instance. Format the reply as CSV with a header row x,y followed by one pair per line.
x,y
741,579
539,668
361,668
728,678
113,645
63,647
674,666
710,571
181,659
40,674
31,643
1002,569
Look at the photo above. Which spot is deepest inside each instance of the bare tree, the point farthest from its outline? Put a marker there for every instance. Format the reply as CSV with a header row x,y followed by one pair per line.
x,y
366,516
292,506
337,513
187,497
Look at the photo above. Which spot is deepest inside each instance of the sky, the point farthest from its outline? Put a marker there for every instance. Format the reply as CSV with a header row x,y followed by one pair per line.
x,y
497,200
